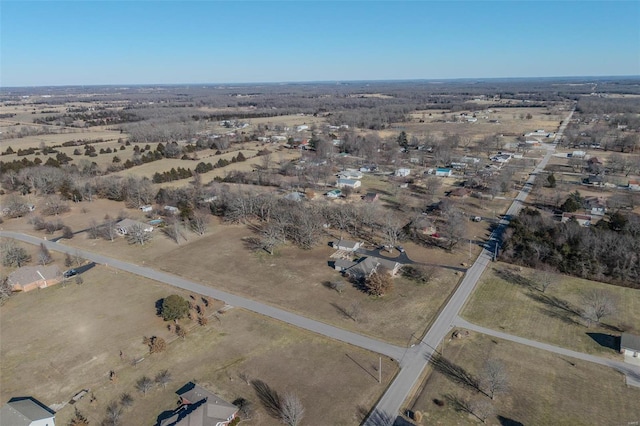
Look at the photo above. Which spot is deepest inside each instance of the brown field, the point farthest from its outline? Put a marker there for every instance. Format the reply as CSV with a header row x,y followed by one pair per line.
x,y
517,309
58,341
544,388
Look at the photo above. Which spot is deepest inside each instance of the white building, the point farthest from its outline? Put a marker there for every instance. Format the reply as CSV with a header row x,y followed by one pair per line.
x,y
26,412
630,347
402,172
348,183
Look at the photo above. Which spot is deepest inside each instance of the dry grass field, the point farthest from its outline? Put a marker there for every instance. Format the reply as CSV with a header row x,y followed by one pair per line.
x,y
502,302
60,340
543,388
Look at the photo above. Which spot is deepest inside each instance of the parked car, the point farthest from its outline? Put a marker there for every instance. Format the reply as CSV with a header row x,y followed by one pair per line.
x,y
70,273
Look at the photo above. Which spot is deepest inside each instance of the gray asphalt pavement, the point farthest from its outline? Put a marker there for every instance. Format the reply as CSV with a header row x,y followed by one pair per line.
x,y
629,370
417,360
394,352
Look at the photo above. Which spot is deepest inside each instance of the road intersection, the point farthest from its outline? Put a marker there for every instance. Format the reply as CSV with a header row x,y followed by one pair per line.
x,y
412,361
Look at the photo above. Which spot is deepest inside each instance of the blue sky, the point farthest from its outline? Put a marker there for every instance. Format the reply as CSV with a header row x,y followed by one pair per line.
x,y
163,42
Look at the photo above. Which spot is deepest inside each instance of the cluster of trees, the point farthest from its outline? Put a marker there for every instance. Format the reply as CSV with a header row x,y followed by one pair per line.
x,y
89,118
607,251
171,175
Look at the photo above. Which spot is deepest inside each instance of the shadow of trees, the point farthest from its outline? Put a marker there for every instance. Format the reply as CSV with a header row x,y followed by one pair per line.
x,y
514,278
269,398
558,308
455,373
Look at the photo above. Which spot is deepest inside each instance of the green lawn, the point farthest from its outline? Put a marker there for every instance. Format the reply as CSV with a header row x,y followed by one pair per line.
x,y
502,304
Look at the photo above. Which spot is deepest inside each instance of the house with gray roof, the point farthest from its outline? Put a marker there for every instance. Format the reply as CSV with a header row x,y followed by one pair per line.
x,y
26,411
630,347
200,407
368,265
347,245
29,278
125,225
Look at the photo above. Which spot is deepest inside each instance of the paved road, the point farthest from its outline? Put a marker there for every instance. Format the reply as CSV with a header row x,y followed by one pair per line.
x,y
631,371
355,339
418,358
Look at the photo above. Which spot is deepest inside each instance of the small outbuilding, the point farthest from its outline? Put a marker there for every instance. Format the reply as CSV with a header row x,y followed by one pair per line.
x,y
630,348
347,245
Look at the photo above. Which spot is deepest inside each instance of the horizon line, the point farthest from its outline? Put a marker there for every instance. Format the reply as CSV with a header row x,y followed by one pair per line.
x,y
625,76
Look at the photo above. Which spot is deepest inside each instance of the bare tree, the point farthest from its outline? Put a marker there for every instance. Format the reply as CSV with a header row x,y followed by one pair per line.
x,y
454,228
199,222
392,229
5,289
126,400
494,378
114,414
272,235
545,279
13,254
108,228
136,234
163,378
173,230
78,419
354,311
291,410
144,384
597,304
44,257
482,409
55,205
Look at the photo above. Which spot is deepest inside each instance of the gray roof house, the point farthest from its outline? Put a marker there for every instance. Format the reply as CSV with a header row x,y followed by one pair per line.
x,y
26,411
199,407
125,225
347,245
29,278
368,265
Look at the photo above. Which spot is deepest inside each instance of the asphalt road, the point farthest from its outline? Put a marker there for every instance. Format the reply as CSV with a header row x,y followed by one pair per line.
x,y
631,371
417,359
394,352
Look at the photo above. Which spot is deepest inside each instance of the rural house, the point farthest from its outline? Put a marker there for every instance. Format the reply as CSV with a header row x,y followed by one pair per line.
x,y
334,193
370,197
630,347
26,411
199,407
350,174
348,183
634,185
147,208
29,278
124,226
368,265
347,245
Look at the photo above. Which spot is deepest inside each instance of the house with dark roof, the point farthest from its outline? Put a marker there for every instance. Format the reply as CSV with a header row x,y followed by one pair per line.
x,y
29,278
582,219
200,407
26,411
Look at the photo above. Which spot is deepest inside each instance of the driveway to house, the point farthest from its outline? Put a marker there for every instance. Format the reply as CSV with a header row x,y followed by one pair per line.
x,y
418,358
632,372
402,257
394,352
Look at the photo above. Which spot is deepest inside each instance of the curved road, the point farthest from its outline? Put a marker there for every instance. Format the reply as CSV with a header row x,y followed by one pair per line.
x,y
330,331
418,358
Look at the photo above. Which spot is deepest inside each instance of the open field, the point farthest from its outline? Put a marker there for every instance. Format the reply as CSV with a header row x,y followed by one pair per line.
x,y
74,342
509,304
543,388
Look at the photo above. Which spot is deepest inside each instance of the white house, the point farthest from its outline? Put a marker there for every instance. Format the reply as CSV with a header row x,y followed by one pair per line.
x,y
348,183
347,245
444,172
402,172
146,208
26,412
634,185
582,219
630,347
334,193
302,127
